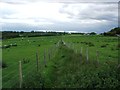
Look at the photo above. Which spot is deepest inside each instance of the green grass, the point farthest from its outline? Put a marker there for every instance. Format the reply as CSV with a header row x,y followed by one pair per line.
x,y
65,68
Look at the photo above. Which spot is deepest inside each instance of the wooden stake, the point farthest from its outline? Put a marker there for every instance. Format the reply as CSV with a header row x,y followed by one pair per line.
x,y
49,54
20,74
37,60
45,58
76,50
51,50
87,54
97,56
73,46
81,51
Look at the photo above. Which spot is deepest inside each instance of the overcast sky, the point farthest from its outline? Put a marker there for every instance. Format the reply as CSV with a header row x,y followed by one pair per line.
x,y
58,15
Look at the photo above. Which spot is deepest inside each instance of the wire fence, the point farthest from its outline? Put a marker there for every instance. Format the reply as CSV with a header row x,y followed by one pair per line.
x,y
28,65
38,60
90,53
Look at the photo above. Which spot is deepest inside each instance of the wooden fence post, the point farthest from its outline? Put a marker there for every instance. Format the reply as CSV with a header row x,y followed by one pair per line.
x,y
49,54
73,46
70,45
37,60
76,50
45,58
87,54
51,51
81,53
97,56
20,74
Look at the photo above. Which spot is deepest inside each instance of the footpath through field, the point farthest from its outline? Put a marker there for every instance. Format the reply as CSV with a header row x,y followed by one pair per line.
x,y
64,67
69,69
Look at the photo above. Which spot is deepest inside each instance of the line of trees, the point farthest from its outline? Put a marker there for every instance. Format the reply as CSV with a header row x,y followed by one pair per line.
x,y
15,34
112,32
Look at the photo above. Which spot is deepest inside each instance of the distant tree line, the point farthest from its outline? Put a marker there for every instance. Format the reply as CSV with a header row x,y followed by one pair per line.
x,y
9,34
112,32
78,33
15,34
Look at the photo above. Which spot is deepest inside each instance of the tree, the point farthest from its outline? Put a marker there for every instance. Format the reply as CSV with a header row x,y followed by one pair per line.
x,y
112,32
92,33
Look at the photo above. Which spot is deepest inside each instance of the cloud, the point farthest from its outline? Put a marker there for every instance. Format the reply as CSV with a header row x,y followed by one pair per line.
x,y
72,1
33,10
84,17
91,11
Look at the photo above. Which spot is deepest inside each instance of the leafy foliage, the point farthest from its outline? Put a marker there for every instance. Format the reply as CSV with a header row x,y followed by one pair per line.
x,y
68,71
112,32
4,65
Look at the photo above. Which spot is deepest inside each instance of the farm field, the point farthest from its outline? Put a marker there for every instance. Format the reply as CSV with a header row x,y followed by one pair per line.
x,y
69,61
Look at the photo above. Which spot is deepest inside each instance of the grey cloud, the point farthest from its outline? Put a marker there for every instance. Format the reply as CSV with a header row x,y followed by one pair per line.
x,y
19,27
93,11
15,1
60,26
67,1
6,12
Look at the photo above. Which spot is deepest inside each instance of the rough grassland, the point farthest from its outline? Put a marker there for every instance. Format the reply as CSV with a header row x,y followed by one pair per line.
x,y
66,67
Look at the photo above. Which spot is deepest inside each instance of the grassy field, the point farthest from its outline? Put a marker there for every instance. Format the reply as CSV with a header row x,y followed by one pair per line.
x,y
67,66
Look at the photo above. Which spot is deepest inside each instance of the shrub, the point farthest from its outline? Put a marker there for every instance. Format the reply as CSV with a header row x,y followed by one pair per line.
x,y
88,43
6,46
102,46
33,80
14,44
112,48
3,64
63,56
25,61
118,45
91,44
39,45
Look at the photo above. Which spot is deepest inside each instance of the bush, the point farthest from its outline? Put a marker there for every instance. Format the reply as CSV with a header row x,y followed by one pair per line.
x,y
3,64
88,43
14,44
6,46
91,44
25,61
118,45
33,80
39,45
102,46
